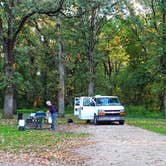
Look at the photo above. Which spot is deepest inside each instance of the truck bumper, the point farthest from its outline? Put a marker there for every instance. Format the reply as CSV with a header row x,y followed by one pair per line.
x,y
110,118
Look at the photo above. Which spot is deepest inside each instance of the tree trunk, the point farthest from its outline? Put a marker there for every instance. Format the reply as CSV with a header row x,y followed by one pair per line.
x,y
163,57
91,48
8,50
61,72
91,75
8,103
9,100
165,98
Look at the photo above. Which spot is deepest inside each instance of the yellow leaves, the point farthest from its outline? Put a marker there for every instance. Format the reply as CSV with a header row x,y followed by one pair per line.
x,y
78,56
70,58
117,39
14,65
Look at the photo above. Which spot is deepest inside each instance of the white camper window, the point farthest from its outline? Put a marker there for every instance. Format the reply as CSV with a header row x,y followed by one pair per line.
x,y
77,101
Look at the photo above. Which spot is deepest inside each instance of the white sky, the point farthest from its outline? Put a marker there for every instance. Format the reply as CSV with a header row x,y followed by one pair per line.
x,y
139,8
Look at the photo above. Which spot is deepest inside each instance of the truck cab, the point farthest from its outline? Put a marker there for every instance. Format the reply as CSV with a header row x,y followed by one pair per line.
x,y
108,108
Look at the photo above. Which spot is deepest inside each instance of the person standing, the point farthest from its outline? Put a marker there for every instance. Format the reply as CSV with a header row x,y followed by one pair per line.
x,y
52,110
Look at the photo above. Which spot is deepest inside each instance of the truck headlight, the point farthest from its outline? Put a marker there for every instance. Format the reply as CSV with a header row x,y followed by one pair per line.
x,y
101,112
122,112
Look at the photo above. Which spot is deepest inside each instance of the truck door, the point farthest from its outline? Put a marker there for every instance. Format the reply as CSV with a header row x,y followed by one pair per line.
x,y
76,106
87,110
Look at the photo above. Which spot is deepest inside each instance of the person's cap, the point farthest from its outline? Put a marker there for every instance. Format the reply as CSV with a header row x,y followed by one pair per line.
x,y
48,103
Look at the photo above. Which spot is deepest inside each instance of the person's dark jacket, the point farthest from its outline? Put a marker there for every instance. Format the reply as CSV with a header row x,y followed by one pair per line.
x,y
52,109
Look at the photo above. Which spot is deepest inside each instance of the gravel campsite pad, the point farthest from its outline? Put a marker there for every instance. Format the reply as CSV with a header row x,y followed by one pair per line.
x,y
116,145
124,145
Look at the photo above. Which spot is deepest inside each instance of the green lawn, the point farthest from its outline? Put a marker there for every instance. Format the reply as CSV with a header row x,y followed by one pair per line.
x,y
155,125
150,120
30,140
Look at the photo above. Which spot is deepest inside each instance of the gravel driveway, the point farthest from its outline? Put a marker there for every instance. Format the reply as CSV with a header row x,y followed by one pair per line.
x,y
123,145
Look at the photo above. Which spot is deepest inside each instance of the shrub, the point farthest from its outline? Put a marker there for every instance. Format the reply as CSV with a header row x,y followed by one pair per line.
x,y
141,112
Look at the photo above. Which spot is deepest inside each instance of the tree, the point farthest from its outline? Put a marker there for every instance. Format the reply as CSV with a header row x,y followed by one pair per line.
x,y
156,20
61,69
14,14
163,57
91,23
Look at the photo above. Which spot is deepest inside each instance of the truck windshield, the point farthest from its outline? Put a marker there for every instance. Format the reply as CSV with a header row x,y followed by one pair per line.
x,y
107,101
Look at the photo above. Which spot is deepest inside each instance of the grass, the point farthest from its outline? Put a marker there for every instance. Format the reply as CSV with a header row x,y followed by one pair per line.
x,y
24,110
150,120
142,112
155,125
14,141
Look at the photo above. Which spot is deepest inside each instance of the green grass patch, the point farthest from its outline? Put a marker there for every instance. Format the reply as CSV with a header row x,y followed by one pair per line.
x,y
155,125
13,140
30,140
150,120
24,110
68,110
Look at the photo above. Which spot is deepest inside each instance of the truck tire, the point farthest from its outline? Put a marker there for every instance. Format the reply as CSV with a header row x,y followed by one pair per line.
x,y
121,122
87,121
95,120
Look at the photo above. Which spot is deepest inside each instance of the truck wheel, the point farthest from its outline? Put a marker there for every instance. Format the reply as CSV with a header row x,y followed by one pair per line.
x,y
121,122
87,121
95,120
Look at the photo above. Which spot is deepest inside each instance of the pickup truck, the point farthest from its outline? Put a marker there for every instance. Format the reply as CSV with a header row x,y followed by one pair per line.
x,y
100,109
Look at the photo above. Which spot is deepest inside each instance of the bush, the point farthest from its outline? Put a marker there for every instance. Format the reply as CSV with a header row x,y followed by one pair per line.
x,y
142,112
69,110
24,110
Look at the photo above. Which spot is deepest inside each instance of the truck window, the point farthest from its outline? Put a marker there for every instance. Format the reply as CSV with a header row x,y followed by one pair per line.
x,y
77,101
86,102
107,101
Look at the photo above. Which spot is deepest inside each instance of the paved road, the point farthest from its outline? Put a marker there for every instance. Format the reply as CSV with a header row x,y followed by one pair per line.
x,y
123,145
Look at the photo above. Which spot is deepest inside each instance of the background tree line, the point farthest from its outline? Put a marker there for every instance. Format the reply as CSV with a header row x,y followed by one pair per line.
x,y
58,50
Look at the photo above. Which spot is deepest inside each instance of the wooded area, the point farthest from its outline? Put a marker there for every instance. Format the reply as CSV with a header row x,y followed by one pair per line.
x,y
60,49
